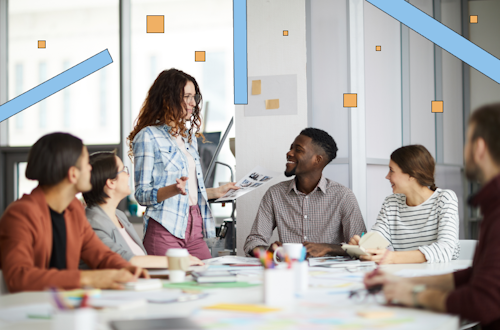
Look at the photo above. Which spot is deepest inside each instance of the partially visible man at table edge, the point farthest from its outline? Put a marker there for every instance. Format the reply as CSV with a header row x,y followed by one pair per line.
x,y
472,293
44,234
310,208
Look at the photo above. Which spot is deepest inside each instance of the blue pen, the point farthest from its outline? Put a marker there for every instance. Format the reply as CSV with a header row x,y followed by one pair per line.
x,y
362,234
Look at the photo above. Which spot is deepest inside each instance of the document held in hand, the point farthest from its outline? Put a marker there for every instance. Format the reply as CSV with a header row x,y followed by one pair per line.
x,y
371,240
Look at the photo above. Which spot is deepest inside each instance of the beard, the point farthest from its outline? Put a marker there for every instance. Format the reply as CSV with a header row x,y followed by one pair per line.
x,y
291,173
472,171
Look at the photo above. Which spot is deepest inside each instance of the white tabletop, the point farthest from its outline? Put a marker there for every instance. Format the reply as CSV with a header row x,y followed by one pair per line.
x,y
314,305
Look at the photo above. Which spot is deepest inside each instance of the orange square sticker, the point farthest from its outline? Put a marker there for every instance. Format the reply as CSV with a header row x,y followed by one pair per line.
x,y
41,43
155,24
437,106
199,56
350,100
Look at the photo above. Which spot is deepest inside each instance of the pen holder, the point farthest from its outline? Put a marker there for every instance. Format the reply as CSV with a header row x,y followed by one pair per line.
x,y
74,319
278,286
301,274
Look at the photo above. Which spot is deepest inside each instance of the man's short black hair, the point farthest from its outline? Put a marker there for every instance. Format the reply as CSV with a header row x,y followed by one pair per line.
x,y
104,167
51,157
323,140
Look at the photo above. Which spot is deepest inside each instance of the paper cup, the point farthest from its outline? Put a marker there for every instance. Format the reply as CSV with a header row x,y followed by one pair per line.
x,y
178,264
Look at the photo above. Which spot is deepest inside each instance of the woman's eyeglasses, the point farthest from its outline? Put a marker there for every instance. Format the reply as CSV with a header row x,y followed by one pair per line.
x,y
125,169
190,98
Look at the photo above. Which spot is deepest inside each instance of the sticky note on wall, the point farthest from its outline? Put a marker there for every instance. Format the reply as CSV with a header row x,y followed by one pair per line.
x,y
256,85
350,100
155,24
272,104
437,106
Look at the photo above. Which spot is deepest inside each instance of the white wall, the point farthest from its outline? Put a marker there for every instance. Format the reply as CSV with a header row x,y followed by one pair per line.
x,y
383,83
383,103
329,71
265,140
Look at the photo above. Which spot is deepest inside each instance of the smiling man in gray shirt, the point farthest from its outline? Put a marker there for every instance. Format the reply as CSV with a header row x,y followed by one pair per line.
x,y
310,208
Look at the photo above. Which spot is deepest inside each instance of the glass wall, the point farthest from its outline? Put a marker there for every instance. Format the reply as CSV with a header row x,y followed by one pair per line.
x,y
90,108
73,31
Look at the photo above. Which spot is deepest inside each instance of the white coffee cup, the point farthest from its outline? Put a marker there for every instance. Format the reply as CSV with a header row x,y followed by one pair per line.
x,y
178,264
292,250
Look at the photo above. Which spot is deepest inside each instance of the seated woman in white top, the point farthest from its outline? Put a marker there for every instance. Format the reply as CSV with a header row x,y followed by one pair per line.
x,y
110,184
419,219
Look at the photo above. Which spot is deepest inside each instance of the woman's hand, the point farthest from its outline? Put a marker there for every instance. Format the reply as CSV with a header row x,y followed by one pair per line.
x,y
214,193
193,261
379,256
225,188
181,185
354,240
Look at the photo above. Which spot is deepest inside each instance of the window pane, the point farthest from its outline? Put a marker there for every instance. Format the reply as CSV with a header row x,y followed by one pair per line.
x,y
73,31
189,26
23,185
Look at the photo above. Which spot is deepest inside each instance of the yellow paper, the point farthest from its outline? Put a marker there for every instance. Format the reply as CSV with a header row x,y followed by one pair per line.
x,y
247,308
256,87
380,314
272,104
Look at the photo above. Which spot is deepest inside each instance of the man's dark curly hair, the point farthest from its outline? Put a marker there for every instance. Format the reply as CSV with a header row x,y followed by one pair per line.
x,y
323,140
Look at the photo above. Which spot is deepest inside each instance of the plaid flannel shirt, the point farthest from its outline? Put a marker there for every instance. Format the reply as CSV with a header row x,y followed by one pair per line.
x,y
158,161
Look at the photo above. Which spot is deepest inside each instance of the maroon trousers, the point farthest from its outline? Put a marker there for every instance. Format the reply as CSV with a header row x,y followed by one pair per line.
x,y
158,240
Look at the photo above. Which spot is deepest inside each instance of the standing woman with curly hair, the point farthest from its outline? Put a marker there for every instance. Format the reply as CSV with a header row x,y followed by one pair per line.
x,y
165,152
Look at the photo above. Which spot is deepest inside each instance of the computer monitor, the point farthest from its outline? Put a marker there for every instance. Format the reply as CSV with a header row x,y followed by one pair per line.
x,y
211,167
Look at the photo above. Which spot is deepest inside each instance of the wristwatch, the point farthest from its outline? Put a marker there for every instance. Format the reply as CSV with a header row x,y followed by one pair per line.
x,y
415,291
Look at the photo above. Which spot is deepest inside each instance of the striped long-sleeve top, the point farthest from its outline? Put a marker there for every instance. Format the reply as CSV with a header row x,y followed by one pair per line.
x,y
431,227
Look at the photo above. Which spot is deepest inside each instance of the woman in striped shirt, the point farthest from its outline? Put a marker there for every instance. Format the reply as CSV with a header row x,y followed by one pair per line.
x,y
419,219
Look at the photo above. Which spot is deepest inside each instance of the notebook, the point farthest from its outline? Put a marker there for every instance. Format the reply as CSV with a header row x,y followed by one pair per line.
x,y
220,276
371,240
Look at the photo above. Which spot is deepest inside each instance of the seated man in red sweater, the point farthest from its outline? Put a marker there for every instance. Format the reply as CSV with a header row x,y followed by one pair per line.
x,y
44,235
472,293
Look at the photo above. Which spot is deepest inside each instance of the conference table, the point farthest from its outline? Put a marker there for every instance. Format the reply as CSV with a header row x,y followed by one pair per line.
x,y
325,305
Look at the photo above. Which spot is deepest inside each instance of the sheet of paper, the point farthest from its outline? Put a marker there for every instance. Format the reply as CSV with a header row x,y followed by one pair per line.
x,y
272,104
256,178
229,260
116,303
203,286
422,272
26,312
256,87
323,261
243,308
138,295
